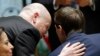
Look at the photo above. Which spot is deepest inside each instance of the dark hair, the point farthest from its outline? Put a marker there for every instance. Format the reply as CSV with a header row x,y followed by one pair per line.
x,y
70,19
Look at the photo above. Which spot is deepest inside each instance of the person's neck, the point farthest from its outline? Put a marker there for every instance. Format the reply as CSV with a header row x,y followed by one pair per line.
x,y
71,32
80,30
26,17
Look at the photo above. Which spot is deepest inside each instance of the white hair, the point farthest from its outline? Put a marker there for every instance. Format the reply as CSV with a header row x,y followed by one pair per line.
x,y
34,7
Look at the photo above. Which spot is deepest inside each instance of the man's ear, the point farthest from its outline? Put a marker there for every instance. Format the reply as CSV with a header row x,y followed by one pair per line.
x,y
35,17
58,26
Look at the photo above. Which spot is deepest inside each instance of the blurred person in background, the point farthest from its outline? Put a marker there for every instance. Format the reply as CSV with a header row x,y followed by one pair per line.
x,y
5,46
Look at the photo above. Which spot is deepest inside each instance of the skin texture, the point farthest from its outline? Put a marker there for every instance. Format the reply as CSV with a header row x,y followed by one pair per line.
x,y
38,16
5,45
73,50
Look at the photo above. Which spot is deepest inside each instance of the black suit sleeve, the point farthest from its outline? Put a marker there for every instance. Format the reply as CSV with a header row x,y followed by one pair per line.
x,y
25,43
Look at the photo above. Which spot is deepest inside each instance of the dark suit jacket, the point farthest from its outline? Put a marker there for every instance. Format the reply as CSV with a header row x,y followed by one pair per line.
x,y
26,42
21,34
91,43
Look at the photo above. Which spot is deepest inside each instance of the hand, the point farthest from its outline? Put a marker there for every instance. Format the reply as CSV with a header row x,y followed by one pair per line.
x,y
75,49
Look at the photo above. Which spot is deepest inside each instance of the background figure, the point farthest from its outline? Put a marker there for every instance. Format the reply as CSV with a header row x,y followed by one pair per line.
x,y
10,7
92,16
63,3
5,45
70,24
90,9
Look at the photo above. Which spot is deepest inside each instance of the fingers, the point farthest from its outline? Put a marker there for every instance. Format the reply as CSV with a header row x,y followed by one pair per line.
x,y
65,47
75,49
75,44
80,50
80,54
68,44
79,46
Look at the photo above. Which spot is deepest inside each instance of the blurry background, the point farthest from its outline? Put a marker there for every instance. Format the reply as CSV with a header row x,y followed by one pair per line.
x,y
12,7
